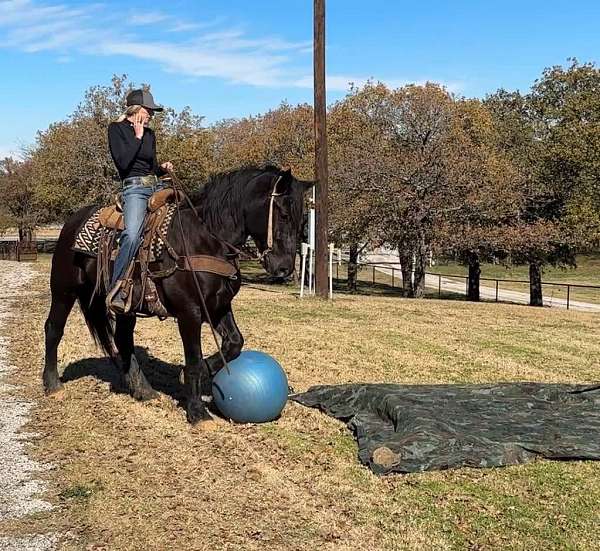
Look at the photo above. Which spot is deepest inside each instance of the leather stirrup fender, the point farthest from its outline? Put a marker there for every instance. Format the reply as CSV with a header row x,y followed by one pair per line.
x,y
109,217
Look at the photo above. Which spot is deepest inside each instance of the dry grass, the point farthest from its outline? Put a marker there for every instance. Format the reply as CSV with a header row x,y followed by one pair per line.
x,y
136,476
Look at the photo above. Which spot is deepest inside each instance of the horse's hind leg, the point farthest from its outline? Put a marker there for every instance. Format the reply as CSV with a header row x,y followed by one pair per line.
x,y
135,380
195,374
62,303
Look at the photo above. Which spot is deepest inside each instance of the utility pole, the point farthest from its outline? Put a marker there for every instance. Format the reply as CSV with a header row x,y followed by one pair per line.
x,y
321,207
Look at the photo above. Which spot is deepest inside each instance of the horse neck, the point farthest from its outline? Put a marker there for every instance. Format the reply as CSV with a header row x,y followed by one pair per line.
x,y
225,225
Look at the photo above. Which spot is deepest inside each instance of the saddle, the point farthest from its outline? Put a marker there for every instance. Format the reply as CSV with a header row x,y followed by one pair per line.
x,y
111,217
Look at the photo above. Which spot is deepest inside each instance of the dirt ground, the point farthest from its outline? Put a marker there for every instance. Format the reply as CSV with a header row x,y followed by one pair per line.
x,y
19,473
132,475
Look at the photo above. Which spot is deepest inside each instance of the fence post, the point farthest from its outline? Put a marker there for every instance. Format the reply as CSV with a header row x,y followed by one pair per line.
x,y
373,275
439,285
496,290
568,296
392,277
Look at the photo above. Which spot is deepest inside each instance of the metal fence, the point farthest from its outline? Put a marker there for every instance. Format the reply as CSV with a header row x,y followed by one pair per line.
x,y
390,274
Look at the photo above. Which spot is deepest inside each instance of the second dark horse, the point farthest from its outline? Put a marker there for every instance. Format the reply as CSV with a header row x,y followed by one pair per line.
x,y
232,206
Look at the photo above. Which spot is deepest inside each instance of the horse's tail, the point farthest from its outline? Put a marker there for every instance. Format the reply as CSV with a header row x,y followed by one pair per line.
x,y
99,323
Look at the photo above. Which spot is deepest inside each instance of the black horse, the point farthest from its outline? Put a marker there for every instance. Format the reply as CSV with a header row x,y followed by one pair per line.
x,y
264,203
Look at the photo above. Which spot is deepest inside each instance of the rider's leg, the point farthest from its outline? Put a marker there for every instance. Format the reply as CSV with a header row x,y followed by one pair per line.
x,y
135,202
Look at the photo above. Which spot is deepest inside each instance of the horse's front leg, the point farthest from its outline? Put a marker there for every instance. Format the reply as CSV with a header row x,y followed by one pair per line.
x,y
231,345
196,376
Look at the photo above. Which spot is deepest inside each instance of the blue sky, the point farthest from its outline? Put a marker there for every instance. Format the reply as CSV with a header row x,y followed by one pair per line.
x,y
238,57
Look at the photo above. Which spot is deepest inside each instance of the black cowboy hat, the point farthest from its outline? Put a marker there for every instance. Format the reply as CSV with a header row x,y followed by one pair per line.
x,y
143,98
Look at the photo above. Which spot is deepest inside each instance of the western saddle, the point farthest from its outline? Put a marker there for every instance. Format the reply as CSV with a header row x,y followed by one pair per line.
x,y
138,285
111,217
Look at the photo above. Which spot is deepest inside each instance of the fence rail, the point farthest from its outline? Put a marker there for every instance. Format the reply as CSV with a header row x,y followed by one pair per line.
x,y
394,267
22,252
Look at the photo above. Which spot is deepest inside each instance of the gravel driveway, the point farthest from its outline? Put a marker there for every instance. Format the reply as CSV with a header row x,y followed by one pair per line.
x,y
19,489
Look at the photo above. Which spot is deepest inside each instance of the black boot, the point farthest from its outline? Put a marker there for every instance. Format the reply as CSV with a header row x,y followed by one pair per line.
x,y
115,301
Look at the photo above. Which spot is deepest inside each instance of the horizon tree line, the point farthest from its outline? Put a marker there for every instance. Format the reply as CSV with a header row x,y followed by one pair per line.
x,y
511,178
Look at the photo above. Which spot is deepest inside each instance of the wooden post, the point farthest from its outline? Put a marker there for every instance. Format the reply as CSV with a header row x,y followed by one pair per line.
x,y
321,207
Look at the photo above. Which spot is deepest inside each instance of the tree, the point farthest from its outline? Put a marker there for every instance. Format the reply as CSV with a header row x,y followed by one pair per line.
x,y
489,187
282,136
358,153
187,144
19,207
416,121
566,105
552,136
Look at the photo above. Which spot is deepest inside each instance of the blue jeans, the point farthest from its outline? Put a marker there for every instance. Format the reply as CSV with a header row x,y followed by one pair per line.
x,y
135,202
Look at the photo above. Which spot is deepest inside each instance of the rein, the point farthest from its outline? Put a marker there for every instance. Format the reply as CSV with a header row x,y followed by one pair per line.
x,y
178,188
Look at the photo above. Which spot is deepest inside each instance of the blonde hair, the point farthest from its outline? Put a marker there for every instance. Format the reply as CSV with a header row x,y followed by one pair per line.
x,y
131,110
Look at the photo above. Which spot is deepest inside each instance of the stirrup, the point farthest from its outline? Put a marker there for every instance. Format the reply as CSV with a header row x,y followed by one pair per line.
x,y
115,302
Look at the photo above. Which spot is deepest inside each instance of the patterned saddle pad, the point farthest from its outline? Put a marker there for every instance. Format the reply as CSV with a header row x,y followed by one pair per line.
x,y
92,231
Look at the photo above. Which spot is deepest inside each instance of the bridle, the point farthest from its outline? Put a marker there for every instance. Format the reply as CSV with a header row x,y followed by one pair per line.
x,y
269,248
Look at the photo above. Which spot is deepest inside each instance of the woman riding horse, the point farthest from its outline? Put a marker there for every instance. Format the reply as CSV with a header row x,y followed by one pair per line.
x,y
264,203
133,149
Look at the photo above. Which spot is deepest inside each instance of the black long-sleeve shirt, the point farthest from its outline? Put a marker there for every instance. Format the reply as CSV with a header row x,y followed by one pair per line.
x,y
133,157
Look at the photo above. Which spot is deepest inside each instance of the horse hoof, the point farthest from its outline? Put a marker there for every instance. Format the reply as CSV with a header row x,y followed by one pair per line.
x,y
197,413
205,426
53,389
145,395
56,394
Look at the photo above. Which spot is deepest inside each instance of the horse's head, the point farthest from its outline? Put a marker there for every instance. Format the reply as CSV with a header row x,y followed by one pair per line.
x,y
274,216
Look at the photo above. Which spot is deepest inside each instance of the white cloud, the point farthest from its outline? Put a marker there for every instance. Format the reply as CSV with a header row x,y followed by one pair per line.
x,y
148,18
9,151
193,49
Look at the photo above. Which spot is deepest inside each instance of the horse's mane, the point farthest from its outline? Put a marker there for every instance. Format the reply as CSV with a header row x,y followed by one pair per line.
x,y
223,194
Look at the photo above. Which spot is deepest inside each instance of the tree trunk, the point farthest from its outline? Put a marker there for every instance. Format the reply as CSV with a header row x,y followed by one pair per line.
x,y
474,277
420,268
405,255
352,267
536,297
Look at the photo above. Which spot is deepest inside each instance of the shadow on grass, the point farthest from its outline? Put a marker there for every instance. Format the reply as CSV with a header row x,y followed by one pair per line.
x,y
163,376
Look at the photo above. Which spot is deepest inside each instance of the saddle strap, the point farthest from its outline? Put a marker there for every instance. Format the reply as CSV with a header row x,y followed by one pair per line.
x,y
207,263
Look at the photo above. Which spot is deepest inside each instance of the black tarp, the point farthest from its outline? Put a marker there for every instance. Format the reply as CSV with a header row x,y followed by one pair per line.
x,y
412,428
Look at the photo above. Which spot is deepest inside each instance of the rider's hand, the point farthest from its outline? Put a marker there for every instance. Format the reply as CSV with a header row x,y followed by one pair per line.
x,y
168,166
138,125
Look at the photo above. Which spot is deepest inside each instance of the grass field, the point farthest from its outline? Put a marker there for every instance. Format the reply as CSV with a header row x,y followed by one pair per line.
x,y
587,271
135,476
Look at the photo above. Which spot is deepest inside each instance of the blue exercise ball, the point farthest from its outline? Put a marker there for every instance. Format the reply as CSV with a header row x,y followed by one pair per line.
x,y
254,390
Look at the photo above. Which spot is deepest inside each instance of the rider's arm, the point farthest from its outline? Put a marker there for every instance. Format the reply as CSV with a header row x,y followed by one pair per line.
x,y
124,146
156,168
